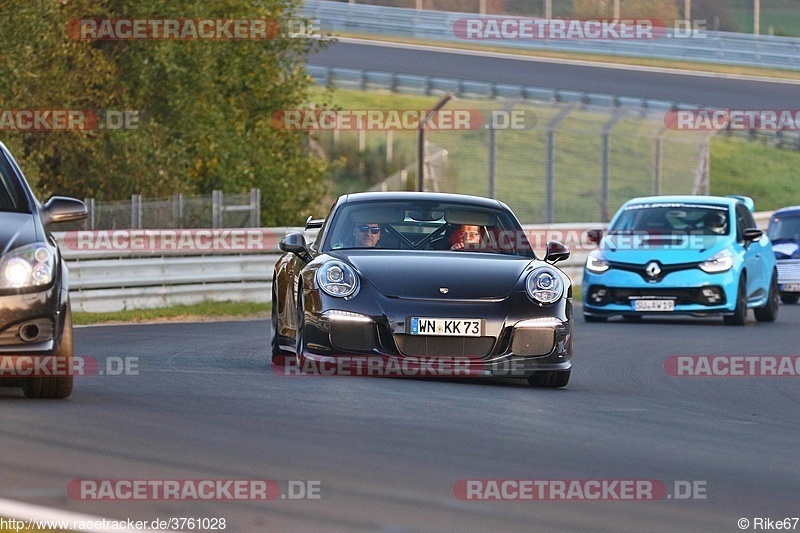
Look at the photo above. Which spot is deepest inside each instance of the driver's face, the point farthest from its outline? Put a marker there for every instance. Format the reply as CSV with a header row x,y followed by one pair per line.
x,y
470,234
367,235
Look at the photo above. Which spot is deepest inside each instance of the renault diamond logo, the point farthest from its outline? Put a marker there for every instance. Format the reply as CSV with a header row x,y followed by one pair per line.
x,y
652,269
444,290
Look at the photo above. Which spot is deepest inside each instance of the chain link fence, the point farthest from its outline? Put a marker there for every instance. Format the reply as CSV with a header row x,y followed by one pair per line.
x,y
216,210
569,163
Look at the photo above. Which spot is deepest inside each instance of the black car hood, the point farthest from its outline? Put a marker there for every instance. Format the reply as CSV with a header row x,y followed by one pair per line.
x,y
466,275
16,229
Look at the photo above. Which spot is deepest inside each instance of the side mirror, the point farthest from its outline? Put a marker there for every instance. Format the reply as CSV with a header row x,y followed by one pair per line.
x,y
752,234
62,209
556,252
295,243
594,236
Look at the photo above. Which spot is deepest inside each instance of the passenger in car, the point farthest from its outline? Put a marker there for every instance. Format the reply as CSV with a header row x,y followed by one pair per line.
x,y
467,237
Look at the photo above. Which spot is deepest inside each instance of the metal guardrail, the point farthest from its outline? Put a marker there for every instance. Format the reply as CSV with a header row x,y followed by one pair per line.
x,y
99,283
360,79
709,47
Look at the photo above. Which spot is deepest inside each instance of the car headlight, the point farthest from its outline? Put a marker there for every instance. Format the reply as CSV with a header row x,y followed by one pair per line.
x,y
337,279
32,265
544,285
596,262
719,262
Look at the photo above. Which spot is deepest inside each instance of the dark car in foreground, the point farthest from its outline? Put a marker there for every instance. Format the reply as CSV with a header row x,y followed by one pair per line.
x,y
494,307
35,315
784,232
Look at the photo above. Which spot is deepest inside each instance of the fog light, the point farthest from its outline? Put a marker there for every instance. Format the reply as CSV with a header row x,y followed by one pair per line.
x,y
711,295
598,295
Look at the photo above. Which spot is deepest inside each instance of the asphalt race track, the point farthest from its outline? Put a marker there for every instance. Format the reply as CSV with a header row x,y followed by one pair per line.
x,y
387,452
692,89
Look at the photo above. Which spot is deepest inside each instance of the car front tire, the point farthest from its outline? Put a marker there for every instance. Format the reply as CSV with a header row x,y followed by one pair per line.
x,y
594,318
769,313
739,316
790,299
278,356
55,387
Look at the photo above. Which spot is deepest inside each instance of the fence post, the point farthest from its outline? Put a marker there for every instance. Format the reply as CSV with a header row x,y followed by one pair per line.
x,y
659,158
255,208
492,153
216,209
89,223
136,211
607,163
551,161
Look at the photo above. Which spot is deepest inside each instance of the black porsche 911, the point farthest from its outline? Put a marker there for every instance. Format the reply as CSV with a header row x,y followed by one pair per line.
x,y
408,275
35,315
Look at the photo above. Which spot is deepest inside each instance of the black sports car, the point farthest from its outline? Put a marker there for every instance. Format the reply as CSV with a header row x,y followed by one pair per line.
x,y
35,316
407,276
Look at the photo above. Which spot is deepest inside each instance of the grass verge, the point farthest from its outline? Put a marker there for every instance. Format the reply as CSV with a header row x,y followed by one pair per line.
x,y
179,313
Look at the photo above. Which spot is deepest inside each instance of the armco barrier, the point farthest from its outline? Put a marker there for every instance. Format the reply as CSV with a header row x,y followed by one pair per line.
x,y
708,47
143,274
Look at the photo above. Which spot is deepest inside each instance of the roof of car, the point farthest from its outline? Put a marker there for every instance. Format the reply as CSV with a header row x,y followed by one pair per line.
x,y
411,196
687,199
788,211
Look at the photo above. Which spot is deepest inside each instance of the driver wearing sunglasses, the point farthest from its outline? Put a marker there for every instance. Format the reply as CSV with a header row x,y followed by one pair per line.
x,y
367,235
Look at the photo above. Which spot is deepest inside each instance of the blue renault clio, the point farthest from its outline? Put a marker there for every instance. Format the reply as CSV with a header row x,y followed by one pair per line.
x,y
668,255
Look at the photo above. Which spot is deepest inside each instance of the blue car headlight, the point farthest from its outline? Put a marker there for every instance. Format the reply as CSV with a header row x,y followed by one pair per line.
x,y
544,285
337,279
32,265
596,263
720,262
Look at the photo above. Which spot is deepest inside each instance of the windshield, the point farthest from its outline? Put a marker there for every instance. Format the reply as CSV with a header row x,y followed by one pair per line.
x,y
784,228
426,225
673,218
11,197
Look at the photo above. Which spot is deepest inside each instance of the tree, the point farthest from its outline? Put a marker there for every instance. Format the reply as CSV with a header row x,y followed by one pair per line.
x,y
207,103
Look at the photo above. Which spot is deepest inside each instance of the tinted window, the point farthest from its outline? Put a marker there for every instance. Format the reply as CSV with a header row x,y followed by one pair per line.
x,y
424,225
11,196
784,228
667,218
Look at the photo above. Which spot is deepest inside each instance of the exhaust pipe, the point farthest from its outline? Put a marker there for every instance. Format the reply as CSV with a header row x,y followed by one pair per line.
x,y
29,332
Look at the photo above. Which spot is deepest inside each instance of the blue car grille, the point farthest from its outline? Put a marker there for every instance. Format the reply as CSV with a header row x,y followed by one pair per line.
x,y
789,271
682,296
664,270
